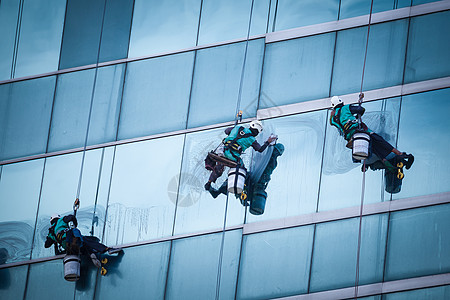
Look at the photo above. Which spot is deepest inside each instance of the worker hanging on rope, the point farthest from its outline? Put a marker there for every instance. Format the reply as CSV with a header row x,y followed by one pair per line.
x,y
64,235
239,139
382,155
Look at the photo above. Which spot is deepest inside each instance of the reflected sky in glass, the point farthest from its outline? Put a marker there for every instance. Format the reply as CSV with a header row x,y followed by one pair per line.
x,y
40,37
19,207
424,132
143,190
162,26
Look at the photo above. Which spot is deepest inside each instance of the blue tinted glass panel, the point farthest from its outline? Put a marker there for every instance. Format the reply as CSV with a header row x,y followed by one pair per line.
x,y
25,116
224,20
354,8
106,104
82,30
197,258
9,12
293,13
59,190
156,95
294,184
419,243
196,209
138,273
260,17
275,263
341,181
48,276
423,131
161,26
297,70
116,30
19,207
427,47
40,37
385,57
145,177
71,110
436,293
12,281
335,252
217,78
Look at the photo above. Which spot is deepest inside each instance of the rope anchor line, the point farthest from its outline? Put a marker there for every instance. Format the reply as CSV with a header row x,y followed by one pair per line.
x,y
360,100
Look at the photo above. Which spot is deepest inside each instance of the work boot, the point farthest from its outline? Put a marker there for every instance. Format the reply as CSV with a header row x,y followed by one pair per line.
x,y
409,160
95,260
114,250
215,193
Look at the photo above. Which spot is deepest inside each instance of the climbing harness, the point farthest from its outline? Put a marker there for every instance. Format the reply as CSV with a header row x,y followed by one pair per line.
x,y
361,97
238,115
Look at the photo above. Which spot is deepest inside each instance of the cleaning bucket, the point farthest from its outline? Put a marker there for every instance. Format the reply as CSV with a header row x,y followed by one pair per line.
x,y
72,267
360,145
236,180
258,203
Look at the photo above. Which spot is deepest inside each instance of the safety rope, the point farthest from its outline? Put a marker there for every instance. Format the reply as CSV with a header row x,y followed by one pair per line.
x,y
80,177
361,97
238,115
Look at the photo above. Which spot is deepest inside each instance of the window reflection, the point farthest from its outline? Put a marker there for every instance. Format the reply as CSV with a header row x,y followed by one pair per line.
x,y
341,182
19,206
294,184
217,79
162,26
25,109
424,127
196,209
143,190
297,70
280,259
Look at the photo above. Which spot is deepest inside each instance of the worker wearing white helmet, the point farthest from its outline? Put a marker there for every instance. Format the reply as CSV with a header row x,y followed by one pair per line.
x,y
239,139
343,117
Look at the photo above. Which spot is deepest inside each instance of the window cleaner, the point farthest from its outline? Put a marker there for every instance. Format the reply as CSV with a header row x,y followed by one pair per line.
x,y
67,238
239,139
379,154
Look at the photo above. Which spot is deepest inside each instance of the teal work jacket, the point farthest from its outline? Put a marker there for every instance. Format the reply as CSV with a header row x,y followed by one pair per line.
x,y
345,121
245,142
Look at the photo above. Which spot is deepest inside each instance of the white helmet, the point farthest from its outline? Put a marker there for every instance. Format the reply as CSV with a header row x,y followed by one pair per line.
x,y
54,218
256,124
335,100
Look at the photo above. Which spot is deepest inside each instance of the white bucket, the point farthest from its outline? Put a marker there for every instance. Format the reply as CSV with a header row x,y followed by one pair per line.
x,y
360,145
72,267
236,180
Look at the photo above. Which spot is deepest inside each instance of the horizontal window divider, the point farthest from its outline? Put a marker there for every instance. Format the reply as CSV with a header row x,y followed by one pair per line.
x,y
381,17
371,95
377,288
277,36
288,222
347,213
122,142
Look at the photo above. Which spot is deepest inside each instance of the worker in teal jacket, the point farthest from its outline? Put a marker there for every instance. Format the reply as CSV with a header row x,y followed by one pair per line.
x,y
343,118
66,237
239,139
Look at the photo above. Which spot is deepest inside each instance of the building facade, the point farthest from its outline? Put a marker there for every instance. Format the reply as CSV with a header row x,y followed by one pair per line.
x,y
119,101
